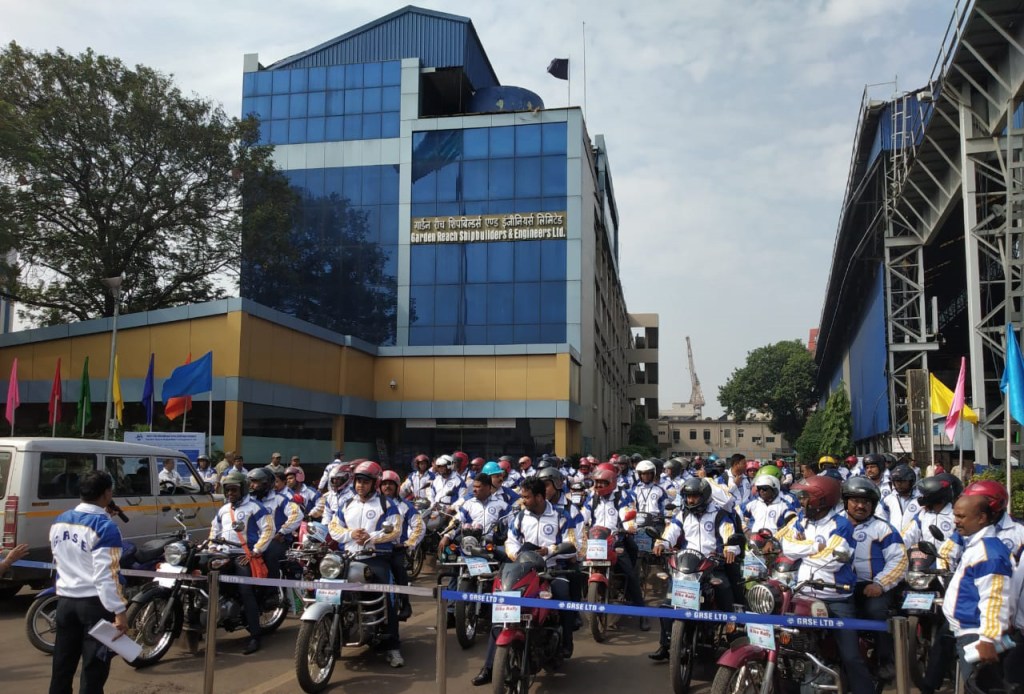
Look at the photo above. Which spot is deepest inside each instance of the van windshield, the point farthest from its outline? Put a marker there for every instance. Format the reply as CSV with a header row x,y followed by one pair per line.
x,y
5,470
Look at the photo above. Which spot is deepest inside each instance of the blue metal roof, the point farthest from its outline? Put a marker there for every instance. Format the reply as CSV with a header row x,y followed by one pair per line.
x,y
438,39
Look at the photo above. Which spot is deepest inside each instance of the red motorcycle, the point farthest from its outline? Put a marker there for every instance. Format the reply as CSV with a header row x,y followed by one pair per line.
x,y
532,637
604,584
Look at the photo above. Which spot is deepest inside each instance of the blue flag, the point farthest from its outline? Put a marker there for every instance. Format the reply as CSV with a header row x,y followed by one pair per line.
x,y
190,379
147,392
1013,376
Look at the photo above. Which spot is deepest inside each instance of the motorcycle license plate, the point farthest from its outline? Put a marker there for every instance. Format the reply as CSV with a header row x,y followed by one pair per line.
x,y
597,550
477,566
918,601
761,635
502,613
331,596
644,542
168,569
685,594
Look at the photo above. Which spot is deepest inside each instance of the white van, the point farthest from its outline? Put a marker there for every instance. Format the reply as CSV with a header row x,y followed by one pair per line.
x,y
39,480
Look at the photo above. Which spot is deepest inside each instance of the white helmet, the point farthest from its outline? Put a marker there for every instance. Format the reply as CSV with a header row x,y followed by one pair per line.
x,y
645,466
445,460
768,481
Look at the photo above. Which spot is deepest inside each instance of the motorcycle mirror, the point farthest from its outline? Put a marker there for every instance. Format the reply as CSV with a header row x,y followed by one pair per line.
x,y
388,528
652,533
842,555
238,526
588,483
736,540
786,520
630,515
425,484
565,548
928,548
936,533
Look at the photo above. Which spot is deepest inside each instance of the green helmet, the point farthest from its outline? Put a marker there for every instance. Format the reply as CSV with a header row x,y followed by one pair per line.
x,y
772,470
234,477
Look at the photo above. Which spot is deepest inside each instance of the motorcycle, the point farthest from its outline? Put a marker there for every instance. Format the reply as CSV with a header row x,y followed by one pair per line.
x,y
334,618
474,564
168,607
922,604
414,560
531,638
649,527
604,584
302,560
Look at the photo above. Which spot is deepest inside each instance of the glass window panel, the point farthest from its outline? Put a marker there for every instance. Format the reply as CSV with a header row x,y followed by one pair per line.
x,y
446,209
353,101
476,305
527,334
553,138
552,260
474,143
297,179
476,263
353,127
449,263
553,204
552,333
446,304
371,126
421,263
474,180
336,103
315,182
424,209
279,106
391,98
527,204
264,82
501,206
371,185
527,302
552,302
390,252
263,106
282,81
475,207
476,335
333,181
317,78
553,175
528,178
248,84
371,222
499,261
317,105
371,100
391,73
388,223
500,335
278,132
354,77
500,179
499,304
424,189
265,135
389,183
296,130
249,106
421,336
300,78
527,259
389,125
297,106
372,75
502,141
527,140
333,133
446,335
352,184
447,180
336,77
418,138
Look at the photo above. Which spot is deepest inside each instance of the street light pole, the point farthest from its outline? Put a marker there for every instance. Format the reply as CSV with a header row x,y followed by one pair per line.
x,y
114,285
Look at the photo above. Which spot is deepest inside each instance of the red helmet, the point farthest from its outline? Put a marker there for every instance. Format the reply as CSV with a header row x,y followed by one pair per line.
x,y
477,464
368,468
585,466
505,466
851,459
995,492
752,466
822,492
390,476
525,462
606,475
461,459
300,476
610,467
421,458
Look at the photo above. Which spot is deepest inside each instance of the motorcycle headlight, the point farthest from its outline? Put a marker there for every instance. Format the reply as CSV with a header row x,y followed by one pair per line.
x,y
174,553
761,599
469,544
918,581
784,577
330,566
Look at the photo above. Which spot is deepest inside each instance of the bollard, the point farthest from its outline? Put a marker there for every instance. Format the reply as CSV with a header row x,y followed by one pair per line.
x,y
212,617
901,645
442,641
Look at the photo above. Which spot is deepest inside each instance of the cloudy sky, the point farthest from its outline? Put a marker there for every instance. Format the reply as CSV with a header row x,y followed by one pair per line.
x,y
729,125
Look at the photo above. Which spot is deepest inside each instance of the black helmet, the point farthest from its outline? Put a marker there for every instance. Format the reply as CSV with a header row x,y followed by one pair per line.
x,y
551,473
958,486
546,463
876,459
263,478
636,457
891,460
861,488
672,465
902,473
696,486
937,489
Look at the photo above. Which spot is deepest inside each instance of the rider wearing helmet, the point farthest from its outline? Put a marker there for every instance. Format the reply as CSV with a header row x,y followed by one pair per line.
x,y
672,478
901,502
526,468
880,560
851,466
767,507
750,470
823,539
339,491
297,483
1009,531
874,469
704,527
938,493
243,519
626,476
447,487
650,497
497,475
418,481
413,530
284,512
371,520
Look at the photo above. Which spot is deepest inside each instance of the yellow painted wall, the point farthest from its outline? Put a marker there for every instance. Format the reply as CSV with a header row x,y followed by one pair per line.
x,y
514,377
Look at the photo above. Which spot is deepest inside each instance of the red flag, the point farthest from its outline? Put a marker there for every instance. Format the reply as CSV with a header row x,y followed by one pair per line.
x,y
13,396
56,396
956,407
175,407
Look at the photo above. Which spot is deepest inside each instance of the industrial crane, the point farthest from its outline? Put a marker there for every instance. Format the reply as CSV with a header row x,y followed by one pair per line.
x,y
696,395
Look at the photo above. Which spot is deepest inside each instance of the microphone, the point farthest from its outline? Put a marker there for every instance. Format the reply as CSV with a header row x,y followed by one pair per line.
x,y
115,510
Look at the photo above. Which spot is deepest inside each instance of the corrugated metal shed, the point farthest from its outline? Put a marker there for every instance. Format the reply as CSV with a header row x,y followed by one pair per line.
x,y
438,39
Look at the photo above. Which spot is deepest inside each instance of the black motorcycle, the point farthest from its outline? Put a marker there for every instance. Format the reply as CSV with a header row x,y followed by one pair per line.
x,y
925,588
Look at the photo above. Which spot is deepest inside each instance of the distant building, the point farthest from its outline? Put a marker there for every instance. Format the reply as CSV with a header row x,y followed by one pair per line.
x,y
681,434
812,340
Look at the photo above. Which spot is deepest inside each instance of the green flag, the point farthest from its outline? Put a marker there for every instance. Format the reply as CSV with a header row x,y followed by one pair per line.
x,y
84,415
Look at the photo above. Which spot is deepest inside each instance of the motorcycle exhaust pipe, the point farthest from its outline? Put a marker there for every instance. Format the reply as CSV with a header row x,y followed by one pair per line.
x,y
834,687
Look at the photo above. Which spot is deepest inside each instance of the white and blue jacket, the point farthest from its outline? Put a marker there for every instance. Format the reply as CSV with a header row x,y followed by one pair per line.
x,y
86,546
815,543
445,490
286,513
880,556
548,529
757,515
258,525
706,533
918,528
413,527
413,485
1011,534
978,597
370,515
650,498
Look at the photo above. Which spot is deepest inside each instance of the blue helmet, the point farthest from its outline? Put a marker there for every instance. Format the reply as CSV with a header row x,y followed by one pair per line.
x,y
492,468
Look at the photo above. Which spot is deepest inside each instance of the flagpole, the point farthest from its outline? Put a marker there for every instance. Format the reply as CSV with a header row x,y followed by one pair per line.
x,y
184,418
152,404
53,429
1007,421
209,432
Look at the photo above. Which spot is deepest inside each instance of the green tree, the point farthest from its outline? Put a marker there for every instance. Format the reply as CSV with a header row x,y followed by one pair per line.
x,y
107,170
641,439
836,426
777,380
808,444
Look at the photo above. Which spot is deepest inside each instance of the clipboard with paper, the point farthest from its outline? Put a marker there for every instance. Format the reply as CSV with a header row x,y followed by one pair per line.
x,y
105,632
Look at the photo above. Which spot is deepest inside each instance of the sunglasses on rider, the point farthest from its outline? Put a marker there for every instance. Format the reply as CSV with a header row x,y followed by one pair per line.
x,y
602,483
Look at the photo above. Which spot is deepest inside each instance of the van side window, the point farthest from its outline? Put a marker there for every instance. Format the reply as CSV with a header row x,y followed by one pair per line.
x,y
59,473
5,470
131,475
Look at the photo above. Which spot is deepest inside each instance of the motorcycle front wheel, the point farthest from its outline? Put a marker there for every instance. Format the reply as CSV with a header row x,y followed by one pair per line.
x,y
143,627
919,646
415,561
272,615
466,614
596,595
745,679
683,657
314,657
510,676
41,623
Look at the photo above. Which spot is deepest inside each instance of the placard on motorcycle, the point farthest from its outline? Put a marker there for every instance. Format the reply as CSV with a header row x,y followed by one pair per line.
x,y
685,594
329,595
597,550
477,566
762,635
503,613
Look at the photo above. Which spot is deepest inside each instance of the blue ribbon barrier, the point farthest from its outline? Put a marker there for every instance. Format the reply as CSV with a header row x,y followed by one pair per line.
x,y
667,613
25,563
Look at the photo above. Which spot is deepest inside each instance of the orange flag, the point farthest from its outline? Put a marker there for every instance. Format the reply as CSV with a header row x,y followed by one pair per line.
x,y
175,407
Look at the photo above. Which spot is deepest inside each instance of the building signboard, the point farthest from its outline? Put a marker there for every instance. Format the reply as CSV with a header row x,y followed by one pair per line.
x,y
529,226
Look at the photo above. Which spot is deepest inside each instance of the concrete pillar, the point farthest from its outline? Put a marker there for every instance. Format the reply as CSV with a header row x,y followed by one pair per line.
x,y
232,425
338,433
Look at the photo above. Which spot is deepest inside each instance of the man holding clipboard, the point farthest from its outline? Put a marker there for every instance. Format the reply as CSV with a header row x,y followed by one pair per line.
x,y
86,546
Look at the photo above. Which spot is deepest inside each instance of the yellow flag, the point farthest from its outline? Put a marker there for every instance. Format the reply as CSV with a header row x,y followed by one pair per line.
x,y
118,400
942,400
